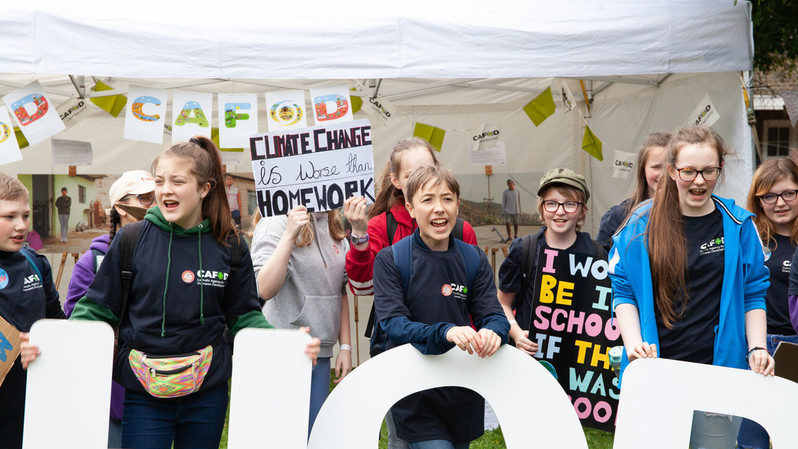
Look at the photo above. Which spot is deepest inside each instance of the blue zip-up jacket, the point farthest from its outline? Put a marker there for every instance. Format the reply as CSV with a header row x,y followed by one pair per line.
x,y
745,279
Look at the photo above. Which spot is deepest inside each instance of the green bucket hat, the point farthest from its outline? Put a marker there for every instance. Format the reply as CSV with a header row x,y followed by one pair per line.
x,y
564,176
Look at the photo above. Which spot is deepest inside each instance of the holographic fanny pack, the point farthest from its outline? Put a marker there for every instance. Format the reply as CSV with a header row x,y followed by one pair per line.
x,y
171,376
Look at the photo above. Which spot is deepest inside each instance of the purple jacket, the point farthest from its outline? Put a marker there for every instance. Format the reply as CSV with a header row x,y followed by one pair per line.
x,y
82,277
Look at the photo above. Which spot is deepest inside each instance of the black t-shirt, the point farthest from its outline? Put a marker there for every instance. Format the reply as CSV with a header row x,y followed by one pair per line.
x,y
692,337
779,262
511,278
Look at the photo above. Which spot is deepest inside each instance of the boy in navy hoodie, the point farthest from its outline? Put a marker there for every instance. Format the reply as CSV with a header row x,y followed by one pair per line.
x,y
433,309
27,294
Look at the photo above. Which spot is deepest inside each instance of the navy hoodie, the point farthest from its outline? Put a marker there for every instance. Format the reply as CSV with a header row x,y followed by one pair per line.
x,y
181,298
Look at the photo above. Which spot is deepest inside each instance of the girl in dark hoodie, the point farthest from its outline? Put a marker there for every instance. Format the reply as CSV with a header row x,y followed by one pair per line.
x,y
180,304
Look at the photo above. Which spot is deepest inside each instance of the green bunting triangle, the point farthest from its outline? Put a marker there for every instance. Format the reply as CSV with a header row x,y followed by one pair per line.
x,y
215,139
357,104
112,104
21,140
431,134
592,144
540,107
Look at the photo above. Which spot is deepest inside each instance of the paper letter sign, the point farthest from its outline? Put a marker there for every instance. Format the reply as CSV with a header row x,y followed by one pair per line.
x,y
191,112
9,148
145,115
286,110
238,119
331,105
35,114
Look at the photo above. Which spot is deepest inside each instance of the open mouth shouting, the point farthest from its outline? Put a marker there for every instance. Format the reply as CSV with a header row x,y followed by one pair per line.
x,y
698,194
439,224
170,205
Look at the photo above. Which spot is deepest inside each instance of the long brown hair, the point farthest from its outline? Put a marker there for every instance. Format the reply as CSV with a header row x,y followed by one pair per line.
x,y
388,194
768,174
206,167
667,243
653,140
307,233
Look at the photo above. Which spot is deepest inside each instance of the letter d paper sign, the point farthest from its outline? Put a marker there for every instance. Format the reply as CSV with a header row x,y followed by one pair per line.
x,y
9,347
34,113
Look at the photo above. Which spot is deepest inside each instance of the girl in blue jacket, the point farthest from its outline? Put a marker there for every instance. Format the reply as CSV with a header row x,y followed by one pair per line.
x,y
173,357
688,273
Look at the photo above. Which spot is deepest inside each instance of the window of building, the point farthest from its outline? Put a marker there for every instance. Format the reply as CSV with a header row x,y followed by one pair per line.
x,y
777,140
81,195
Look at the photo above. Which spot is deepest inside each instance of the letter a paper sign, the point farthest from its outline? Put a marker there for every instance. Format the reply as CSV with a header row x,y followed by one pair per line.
x,y
331,105
34,113
574,328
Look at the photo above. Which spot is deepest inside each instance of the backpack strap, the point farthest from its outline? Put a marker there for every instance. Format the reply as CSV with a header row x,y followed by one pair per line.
x,y
457,232
34,262
236,254
529,254
403,259
390,223
471,258
601,253
129,240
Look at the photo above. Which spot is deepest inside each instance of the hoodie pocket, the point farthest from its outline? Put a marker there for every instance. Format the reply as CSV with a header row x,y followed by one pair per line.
x,y
323,315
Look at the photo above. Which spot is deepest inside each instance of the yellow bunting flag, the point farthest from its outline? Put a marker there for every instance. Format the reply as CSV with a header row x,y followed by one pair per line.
x,y
592,144
21,140
357,103
112,104
215,139
540,107
431,134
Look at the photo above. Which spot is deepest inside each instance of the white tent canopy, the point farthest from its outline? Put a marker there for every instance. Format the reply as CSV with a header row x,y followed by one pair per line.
x,y
464,67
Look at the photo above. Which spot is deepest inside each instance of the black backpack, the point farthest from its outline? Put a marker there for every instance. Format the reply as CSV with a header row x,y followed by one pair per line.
x,y
128,241
529,260
391,223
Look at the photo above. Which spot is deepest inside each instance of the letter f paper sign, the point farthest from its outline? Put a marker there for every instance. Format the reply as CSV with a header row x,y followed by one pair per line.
x,y
34,113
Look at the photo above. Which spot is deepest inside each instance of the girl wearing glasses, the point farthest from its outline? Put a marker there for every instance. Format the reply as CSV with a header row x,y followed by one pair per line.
x,y
131,195
680,260
562,196
773,199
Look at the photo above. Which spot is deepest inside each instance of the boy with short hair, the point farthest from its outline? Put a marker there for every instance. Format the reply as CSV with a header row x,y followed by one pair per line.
x,y
428,287
27,294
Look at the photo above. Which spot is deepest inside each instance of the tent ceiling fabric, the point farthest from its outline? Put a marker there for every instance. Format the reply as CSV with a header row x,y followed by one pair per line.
x,y
358,39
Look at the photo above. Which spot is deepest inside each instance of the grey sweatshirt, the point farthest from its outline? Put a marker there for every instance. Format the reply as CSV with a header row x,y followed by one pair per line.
x,y
314,280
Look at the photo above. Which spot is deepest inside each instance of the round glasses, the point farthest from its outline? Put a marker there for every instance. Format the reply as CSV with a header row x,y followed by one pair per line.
x,y
145,199
569,206
772,198
689,174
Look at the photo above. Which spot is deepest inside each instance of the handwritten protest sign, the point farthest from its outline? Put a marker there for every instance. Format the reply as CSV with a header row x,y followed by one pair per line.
x,y
574,328
9,344
318,167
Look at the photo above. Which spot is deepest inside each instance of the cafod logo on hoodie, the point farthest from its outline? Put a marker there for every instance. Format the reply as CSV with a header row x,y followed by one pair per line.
x,y
207,278
31,282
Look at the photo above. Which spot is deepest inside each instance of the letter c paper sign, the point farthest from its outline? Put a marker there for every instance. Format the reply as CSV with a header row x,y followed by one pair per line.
x,y
145,114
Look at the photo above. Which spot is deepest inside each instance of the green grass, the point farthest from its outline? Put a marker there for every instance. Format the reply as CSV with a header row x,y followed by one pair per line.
x,y
494,439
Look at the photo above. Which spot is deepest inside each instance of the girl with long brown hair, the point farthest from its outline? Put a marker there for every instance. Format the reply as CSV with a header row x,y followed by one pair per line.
x,y
680,260
300,271
773,199
650,163
186,291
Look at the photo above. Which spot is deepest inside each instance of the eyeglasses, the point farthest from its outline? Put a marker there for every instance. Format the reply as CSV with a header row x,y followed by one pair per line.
x,y
772,198
145,199
689,174
569,206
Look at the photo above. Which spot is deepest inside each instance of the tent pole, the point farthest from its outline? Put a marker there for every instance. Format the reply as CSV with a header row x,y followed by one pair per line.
x,y
587,100
79,85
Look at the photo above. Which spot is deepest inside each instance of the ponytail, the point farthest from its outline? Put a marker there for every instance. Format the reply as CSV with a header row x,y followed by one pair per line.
x,y
388,194
207,167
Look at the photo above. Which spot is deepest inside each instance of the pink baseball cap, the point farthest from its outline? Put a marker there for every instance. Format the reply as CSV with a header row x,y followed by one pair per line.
x,y
134,182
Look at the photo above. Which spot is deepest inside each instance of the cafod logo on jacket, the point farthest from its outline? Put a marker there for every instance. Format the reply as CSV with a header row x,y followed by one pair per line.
x,y
459,291
206,278
30,282
715,245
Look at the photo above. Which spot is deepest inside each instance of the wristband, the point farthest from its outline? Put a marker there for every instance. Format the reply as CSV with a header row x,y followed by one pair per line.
x,y
756,348
513,322
355,240
346,347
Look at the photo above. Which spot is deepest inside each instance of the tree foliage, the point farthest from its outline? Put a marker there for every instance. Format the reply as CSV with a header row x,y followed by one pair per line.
x,y
775,34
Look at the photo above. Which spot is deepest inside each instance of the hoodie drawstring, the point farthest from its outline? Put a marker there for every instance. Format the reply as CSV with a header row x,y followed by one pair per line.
x,y
166,283
199,281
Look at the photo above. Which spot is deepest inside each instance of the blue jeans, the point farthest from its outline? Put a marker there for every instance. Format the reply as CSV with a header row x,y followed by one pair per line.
x,y
319,388
713,431
192,421
752,435
114,433
438,444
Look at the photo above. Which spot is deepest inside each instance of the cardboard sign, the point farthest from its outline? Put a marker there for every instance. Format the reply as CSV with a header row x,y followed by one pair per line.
x,y
9,345
574,329
786,356
318,167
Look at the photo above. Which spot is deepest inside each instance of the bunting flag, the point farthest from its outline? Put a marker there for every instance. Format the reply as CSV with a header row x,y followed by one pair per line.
x,y
238,119
145,114
331,105
431,134
592,144
791,105
21,140
191,115
9,149
112,104
34,113
357,104
540,107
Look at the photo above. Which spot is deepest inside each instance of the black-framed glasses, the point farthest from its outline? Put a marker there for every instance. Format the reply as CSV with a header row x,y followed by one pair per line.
x,y
689,174
569,206
772,198
145,199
